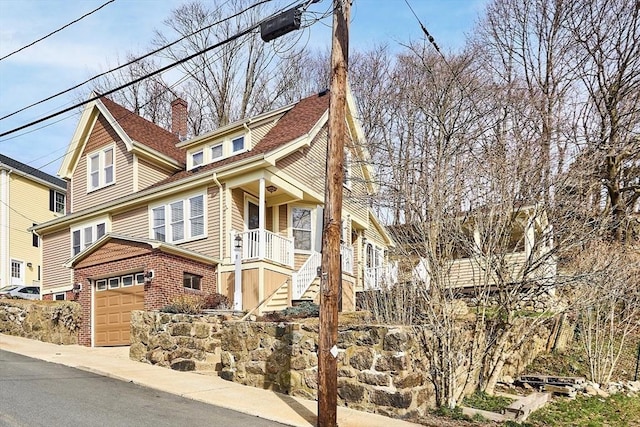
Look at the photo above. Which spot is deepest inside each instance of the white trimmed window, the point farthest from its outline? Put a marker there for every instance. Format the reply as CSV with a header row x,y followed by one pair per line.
x,y
301,228
346,169
237,144
216,152
83,237
197,158
59,297
178,221
101,169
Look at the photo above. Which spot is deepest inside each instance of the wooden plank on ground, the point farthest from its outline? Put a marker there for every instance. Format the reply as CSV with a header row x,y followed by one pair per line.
x,y
522,408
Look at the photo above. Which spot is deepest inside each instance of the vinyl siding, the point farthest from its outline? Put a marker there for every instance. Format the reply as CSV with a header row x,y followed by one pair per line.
x,y
134,223
237,209
355,198
56,252
308,167
259,132
29,201
102,136
149,174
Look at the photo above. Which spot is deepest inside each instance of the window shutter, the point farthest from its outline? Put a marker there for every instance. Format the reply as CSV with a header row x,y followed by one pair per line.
x,y
52,200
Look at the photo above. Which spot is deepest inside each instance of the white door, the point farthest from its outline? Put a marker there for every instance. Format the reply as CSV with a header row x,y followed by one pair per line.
x,y
17,272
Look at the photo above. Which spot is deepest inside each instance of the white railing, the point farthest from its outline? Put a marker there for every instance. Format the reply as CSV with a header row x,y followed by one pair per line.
x,y
278,248
380,277
274,247
347,258
305,276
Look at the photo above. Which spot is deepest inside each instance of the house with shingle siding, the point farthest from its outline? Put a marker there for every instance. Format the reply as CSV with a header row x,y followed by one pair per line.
x,y
153,214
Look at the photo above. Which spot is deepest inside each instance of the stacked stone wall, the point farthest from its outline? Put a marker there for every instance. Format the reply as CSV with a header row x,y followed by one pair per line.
x,y
381,369
177,341
56,322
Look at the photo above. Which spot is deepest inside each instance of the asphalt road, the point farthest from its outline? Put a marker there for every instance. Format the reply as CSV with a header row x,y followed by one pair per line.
x,y
37,393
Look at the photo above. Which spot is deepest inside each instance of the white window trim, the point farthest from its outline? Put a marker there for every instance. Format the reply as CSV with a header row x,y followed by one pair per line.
x,y
64,296
210,149
227,150
94,233
55,201
101,167
348,174
192,156
313,228
186,214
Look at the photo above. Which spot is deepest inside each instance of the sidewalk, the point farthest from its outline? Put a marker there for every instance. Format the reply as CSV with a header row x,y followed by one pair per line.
x,y
114,362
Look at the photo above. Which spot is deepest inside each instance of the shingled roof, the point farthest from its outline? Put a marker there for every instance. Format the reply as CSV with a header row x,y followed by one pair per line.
x,y
295,123
26,169
144,131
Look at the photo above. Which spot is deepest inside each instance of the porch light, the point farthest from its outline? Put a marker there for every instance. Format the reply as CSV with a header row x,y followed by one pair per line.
x,y
271,188
238,242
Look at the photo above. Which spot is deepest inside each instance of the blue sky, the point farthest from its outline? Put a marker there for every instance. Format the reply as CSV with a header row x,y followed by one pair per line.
x,y
99,41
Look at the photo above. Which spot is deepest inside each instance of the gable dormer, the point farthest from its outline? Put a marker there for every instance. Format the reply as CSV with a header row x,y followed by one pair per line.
x,y
114,152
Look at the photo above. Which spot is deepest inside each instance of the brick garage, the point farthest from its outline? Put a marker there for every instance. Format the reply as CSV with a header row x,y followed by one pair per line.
x,y
120,256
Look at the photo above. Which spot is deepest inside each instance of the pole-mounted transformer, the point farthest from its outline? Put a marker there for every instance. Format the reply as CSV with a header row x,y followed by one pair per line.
x,y
281,24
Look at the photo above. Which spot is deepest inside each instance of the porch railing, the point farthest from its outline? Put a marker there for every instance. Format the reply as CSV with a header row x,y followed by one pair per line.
x,y
305,276
380,277
272,247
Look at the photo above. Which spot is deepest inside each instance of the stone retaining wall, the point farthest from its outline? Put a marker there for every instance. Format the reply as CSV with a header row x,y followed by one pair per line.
x,y
180,341
381,369
56,322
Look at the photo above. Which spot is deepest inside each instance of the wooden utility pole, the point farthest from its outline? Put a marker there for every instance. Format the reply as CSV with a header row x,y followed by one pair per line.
x,y
331,267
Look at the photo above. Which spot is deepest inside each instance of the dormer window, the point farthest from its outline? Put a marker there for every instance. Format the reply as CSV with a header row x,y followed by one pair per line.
x,y
237,144
197,158
216,152
101,169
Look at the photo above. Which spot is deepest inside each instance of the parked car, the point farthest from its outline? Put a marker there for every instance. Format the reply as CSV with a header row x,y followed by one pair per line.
x,y
20,291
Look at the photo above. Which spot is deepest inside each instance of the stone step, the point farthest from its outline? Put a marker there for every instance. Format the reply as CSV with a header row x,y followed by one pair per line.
x,y
522,408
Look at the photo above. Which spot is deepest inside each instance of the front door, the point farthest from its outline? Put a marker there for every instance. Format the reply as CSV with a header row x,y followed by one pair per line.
x,y
252,242
17,272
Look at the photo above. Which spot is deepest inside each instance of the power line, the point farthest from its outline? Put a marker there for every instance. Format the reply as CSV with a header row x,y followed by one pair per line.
x,y
56,31
153,73
135,60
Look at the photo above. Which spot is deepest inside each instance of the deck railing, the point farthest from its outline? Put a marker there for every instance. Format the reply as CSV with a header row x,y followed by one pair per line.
x,y
260,244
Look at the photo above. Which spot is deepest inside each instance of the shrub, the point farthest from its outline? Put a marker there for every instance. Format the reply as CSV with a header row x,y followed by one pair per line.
x,y
216,302
184,304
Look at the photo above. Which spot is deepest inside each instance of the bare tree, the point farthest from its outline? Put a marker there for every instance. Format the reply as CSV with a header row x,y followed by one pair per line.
x,y
608,305
608,35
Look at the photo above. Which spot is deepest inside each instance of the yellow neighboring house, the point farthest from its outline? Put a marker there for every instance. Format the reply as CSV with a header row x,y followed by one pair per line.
x,y
27,197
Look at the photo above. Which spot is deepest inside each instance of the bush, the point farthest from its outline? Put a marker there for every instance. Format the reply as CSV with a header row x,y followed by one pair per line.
x,y
301,311
216,302
184,304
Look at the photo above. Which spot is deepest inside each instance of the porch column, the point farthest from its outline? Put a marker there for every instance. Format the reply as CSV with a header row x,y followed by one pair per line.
x,y
261,220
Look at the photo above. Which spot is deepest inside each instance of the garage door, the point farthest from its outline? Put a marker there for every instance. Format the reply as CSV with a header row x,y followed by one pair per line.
x,y
115,298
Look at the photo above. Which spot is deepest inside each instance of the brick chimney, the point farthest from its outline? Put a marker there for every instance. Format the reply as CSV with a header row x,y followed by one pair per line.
x,y
179,117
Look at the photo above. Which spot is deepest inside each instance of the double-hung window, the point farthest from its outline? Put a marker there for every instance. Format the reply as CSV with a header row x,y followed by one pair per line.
x,y
56,201
101,169
301,228
83,237
178,221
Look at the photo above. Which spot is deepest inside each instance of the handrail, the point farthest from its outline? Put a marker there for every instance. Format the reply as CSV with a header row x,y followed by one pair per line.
x,y
305,276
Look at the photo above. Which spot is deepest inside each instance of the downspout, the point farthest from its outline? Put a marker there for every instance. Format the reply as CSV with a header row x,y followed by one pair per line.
x,y
220,227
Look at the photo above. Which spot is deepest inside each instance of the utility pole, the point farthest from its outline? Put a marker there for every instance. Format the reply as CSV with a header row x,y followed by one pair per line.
x,y
331,274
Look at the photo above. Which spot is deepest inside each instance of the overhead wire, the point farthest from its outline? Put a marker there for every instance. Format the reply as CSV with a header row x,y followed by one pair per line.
x,y
133,61
57,31
170,87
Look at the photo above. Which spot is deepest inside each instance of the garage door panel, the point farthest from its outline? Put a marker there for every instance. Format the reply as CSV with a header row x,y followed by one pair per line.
x,y
113,314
